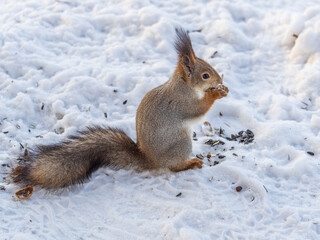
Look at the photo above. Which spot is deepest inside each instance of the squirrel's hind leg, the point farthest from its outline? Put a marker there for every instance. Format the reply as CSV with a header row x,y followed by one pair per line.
x,y
190,164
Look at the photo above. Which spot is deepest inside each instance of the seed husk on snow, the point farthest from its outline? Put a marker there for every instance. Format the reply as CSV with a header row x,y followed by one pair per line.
x,y
213,143
244,137
265,188
249,133
7,181
24,193
214,54
59,130
220,132
207,129
200,156
59,116
194,136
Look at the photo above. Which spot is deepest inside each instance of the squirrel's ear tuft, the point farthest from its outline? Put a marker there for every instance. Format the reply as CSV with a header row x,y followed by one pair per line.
x,y
183,44
185,51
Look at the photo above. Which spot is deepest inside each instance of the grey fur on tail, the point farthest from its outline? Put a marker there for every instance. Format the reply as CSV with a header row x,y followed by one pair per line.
x,y
73,161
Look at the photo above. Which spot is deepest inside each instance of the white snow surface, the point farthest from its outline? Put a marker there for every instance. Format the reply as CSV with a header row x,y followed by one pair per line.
x,y
65,65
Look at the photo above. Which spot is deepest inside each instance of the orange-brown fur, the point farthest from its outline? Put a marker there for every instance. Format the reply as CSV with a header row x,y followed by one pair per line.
x,y
190,164
209,99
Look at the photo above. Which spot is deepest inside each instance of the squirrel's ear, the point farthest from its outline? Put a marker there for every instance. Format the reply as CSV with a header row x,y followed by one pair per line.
x,y
188,65
185,51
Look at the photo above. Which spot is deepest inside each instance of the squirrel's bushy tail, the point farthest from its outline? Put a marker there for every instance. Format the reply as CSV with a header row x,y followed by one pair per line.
x,y
73,161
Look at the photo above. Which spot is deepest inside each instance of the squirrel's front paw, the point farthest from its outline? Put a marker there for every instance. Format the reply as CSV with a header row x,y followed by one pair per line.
x,y
223,90
220,91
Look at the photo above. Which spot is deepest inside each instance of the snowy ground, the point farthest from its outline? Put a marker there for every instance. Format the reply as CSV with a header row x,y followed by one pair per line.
x,y
81,60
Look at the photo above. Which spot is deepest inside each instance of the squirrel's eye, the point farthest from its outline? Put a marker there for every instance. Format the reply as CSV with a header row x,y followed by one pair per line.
x,y
205,76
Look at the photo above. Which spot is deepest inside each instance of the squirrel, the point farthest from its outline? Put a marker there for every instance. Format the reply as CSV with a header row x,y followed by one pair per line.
x,y
163,122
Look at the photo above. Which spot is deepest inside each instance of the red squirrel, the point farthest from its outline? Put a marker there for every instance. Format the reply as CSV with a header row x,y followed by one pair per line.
x,y
163,130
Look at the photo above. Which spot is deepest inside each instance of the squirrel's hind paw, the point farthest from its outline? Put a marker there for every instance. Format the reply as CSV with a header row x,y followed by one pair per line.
x,y
190,164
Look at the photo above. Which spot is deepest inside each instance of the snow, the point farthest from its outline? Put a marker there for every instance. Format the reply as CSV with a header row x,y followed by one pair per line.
x,y
65,65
